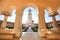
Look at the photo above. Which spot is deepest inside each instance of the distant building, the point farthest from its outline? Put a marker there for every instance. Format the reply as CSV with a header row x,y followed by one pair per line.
x,y
8,25
30,22
50,24
11,24
35,25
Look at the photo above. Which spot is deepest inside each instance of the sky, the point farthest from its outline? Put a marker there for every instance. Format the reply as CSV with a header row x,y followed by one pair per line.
x,y
49,19
25,15
34,15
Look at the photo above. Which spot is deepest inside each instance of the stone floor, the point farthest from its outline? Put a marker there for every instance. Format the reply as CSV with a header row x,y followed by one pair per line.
x,y
31,36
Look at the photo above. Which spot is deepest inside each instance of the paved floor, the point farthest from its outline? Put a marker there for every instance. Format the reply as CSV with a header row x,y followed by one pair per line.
x,y
31,36
29,30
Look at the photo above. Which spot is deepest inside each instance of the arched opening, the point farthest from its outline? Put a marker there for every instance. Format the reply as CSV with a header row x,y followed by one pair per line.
x,y
11,20
30,20
52,17
48,20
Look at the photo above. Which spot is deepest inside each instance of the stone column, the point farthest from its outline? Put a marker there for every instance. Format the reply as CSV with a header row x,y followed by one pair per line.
x,y
42,25
17,25
6,13
4,22
54,22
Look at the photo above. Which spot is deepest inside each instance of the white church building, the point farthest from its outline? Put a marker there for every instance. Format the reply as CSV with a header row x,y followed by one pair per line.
x,y
29,22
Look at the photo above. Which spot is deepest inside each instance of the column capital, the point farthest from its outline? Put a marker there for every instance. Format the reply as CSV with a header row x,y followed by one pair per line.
x,y
53,14
6,13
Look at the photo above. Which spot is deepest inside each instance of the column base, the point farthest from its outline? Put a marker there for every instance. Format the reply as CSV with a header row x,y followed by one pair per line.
x,y
55,29
42,34
17,33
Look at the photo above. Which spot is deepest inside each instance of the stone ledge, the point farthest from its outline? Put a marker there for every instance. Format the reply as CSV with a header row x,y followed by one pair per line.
x,y
6,36
53,36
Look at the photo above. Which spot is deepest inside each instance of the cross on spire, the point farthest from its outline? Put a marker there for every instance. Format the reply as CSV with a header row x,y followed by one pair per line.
x,y
29,10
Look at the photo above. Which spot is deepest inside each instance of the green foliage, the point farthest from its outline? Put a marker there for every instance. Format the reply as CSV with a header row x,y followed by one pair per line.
x,y
24,29
9,27
35,29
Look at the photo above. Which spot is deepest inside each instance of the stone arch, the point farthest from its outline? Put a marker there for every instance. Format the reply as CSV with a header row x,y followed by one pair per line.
x,y
48,11
12,17
52,13
42,30
30,5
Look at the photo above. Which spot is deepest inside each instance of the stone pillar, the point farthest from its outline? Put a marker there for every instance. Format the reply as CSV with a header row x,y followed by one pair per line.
x,y
54,22
4,22
42,25
6,13
18,24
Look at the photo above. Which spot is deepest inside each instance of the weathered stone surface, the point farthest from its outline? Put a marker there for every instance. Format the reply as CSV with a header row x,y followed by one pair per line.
x,y
20,5
6,36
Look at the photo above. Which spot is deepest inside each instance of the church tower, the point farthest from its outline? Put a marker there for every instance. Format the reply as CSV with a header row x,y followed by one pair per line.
x,y
29,19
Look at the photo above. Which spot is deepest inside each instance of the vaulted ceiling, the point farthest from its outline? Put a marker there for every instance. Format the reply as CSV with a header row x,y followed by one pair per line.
x,y
20,3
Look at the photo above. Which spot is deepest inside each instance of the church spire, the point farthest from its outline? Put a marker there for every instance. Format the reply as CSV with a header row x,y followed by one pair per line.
x,y
29,19
29,12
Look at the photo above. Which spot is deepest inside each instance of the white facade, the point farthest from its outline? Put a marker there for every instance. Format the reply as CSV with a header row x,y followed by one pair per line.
x,y
29,22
